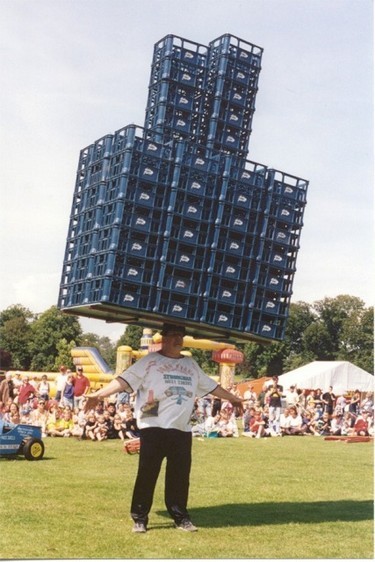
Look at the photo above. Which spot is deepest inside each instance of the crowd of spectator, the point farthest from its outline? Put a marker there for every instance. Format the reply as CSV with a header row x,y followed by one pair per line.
x,y
272,412
24,400
275,412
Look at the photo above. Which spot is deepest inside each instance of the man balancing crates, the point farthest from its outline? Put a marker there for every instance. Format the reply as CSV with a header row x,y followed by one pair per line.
x,y
166,384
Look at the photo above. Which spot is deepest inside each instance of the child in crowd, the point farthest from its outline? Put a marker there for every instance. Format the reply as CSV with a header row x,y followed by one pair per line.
x,y
90,426
100,431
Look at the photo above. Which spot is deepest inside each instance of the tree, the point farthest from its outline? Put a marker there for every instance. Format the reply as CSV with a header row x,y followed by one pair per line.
x,y
334,312
204,360
301,316
131,337
15,335
64,356
317,343
47,331
5,360
357,340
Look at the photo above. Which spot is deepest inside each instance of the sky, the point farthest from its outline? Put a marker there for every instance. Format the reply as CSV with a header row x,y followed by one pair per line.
x,y
75,70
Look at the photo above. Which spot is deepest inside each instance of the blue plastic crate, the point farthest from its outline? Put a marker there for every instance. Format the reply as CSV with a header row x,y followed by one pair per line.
x,y
223,316
270,304
128,295
227,291
232,244
139,244
179,280
187,51
137,270
276,282
236,47
177,305
145,219
237,221
288,187
186,259
245,198
184,100
181,121
93,291
237,95
251,174
282,236
229,270
229,139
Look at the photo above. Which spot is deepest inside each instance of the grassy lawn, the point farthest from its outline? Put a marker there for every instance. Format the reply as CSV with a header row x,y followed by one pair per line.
x,y
292,497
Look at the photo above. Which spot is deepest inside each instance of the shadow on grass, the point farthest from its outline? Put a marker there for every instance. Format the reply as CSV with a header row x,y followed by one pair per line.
x,y
282,513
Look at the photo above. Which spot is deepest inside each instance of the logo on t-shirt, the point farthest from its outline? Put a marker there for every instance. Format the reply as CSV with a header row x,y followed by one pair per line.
x,y
178,392
151,408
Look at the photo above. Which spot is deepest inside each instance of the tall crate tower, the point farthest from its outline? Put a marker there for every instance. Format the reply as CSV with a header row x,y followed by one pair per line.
x,y
175,104
172,221
232,85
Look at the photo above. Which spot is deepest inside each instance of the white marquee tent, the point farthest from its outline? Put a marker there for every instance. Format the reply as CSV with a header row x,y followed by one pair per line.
x,y
341,375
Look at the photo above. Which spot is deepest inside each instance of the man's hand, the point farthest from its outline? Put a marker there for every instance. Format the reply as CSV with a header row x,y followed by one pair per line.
x,y
238,404
91,402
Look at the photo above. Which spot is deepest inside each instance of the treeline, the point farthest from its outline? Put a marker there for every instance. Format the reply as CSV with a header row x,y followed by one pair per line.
x,y
332,329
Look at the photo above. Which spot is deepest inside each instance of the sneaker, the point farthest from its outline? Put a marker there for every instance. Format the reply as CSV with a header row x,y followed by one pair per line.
x,y
139,527
186,525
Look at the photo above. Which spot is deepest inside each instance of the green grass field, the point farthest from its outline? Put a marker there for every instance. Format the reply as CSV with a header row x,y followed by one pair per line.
x,y
292,497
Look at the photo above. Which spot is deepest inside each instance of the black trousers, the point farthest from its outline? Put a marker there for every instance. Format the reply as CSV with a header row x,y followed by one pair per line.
x,y
157,444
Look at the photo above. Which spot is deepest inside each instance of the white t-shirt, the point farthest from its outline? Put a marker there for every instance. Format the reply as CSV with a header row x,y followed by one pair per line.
x,y
166,389
60,381
295,422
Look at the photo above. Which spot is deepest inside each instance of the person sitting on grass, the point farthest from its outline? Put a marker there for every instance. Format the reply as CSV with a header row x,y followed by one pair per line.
x,y
321,424
129,426
246,419
109,421
79,424
101,429
307,419
285,422
360,426
90,426
117,428
63,426
13,414
39,416
337,424
53,416
211,425
227,424
257,425
295,422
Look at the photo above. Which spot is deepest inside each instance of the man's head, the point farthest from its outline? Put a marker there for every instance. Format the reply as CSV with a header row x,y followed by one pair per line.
x,y
172,329
79,371
173,339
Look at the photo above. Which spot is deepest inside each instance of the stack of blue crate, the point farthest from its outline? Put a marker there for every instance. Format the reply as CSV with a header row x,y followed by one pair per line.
x,y
172,221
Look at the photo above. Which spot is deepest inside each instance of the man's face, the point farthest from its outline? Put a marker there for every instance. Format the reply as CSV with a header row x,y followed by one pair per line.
x,y
173,341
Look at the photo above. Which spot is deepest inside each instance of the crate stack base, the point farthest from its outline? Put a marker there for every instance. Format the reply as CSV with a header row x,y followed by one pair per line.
x,y
171,222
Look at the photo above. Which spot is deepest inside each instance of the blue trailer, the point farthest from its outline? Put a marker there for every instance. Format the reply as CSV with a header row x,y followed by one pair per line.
x,y
21,439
